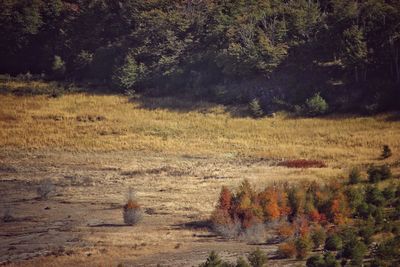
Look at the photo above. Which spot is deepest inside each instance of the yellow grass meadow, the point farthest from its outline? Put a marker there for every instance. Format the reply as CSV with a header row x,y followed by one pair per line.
x,y
88,122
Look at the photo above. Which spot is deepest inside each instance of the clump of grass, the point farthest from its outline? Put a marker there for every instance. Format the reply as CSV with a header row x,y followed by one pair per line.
x,y
44,188
132,212
302,163
386,152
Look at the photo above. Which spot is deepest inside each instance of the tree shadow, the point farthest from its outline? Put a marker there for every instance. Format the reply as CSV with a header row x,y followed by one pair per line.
x,y
189,104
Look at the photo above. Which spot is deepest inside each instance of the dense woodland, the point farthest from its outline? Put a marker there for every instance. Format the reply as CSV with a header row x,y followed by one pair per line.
x,y
300,55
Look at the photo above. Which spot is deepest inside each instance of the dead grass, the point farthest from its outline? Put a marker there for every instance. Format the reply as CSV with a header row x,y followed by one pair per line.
x,y
83,122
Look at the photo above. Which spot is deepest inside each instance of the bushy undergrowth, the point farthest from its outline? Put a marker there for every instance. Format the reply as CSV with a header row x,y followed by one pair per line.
x,y
349,220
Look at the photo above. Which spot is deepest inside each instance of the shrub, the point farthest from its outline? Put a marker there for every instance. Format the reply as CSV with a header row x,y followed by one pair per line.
x,y
330,260
374,196
132,212
241,262
378,173
389,192
58,67
389,251
255,108
128,74
316,105
255,234
315,261
286,230
45,187
364,210
257,258
355,197
386,152
355,250
367,232
286,250
213,260
230,230
303,247
318,236
354,176
333,243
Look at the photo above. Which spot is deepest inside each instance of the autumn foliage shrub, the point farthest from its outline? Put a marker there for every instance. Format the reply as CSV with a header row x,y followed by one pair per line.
x,y
132,212
302,163
286,250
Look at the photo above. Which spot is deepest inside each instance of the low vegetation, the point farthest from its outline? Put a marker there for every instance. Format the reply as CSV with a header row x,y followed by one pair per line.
x,y
45,188
355,224
94,122
132,212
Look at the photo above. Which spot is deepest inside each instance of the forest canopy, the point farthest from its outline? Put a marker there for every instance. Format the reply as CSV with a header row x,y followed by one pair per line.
x,y
274,54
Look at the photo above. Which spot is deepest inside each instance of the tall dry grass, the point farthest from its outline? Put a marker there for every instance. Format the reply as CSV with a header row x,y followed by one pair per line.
x,y
84,122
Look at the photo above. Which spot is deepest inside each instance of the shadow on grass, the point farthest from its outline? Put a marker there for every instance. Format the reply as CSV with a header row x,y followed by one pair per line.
x,y
195,225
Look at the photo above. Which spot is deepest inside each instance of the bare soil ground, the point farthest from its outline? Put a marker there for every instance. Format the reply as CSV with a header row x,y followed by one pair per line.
x,y
81,223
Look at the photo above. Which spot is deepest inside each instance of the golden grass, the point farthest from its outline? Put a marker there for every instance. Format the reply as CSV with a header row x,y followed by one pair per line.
x,y
84,122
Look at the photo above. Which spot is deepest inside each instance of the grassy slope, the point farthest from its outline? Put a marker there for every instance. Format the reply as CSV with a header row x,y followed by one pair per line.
x,y
40,122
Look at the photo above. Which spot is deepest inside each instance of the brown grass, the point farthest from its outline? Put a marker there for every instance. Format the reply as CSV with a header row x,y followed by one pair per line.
x,y
302,163
84,122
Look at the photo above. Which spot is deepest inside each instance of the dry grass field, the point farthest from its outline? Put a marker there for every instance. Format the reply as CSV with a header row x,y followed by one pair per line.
x,y
175,154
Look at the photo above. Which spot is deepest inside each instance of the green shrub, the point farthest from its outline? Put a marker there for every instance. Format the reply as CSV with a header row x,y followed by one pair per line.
x,y
128,74
386,152
355,196
333,243
315,261
318,237
316,105
214,260
364,210
303,247
257,258
58,67
354,176
330,260
255,108
241,262
389,192
374,196
366,233
379,173
355,250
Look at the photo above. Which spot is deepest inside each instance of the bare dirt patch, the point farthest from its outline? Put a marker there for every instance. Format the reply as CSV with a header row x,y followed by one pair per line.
x,y
81,222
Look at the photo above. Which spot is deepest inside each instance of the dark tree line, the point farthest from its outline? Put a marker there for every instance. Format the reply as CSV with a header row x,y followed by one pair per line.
x,y
279,52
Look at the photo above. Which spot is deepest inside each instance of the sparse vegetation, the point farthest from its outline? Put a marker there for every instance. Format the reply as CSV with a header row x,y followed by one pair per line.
x,y
45,188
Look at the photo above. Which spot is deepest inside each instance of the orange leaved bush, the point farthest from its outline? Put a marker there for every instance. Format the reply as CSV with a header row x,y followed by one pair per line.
x,y
300,207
